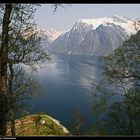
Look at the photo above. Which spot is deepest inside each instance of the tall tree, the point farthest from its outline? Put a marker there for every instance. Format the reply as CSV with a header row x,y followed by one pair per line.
x,y
20,44
20,89
120,85
3,68
24,48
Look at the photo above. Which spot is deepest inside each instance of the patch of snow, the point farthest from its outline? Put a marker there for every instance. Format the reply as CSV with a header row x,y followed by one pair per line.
x,y
51,33
126,23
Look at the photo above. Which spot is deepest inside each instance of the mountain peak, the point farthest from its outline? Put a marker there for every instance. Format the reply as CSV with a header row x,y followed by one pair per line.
x,y
124,22
95,36
51,33
123,17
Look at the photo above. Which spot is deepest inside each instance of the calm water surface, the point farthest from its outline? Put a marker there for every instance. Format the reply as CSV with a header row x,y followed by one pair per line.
x,y
66,87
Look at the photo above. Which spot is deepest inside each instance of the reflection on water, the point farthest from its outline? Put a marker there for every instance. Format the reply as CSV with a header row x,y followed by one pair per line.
x,y
66,82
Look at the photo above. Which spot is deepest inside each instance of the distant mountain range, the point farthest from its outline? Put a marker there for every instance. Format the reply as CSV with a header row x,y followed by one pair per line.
x,y
95,36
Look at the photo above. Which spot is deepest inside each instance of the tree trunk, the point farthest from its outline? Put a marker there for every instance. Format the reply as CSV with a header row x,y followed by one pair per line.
x,y
3,69
12,100
12,119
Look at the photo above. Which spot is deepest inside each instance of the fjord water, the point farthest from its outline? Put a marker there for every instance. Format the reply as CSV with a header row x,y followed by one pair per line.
x,y
66,87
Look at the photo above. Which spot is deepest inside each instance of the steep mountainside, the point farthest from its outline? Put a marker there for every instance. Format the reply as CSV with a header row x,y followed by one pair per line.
x,y
48,36
97,36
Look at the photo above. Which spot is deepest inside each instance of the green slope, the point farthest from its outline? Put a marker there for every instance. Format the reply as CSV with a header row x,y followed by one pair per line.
x,y
38,125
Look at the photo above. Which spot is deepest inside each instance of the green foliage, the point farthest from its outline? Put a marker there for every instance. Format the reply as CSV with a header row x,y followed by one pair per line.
x,y
38,119
98,128
24,47
117,95
24,43
77,125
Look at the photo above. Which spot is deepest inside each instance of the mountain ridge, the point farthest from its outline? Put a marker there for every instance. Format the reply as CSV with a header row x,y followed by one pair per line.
x,y
95,36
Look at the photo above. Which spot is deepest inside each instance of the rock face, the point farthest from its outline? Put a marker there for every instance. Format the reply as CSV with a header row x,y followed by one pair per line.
x,y
102,41
98,36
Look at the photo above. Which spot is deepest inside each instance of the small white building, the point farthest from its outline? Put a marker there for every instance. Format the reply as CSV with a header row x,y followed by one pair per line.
x,y
42,121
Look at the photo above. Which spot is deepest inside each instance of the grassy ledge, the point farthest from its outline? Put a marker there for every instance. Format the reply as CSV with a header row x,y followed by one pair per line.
x,y
38,125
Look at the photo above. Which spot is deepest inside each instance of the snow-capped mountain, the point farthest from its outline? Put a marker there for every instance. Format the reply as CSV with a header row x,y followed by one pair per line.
x,y
48,36
96,36
52,34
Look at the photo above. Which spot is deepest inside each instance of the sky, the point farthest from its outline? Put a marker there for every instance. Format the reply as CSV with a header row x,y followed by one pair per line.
x,y
64,18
